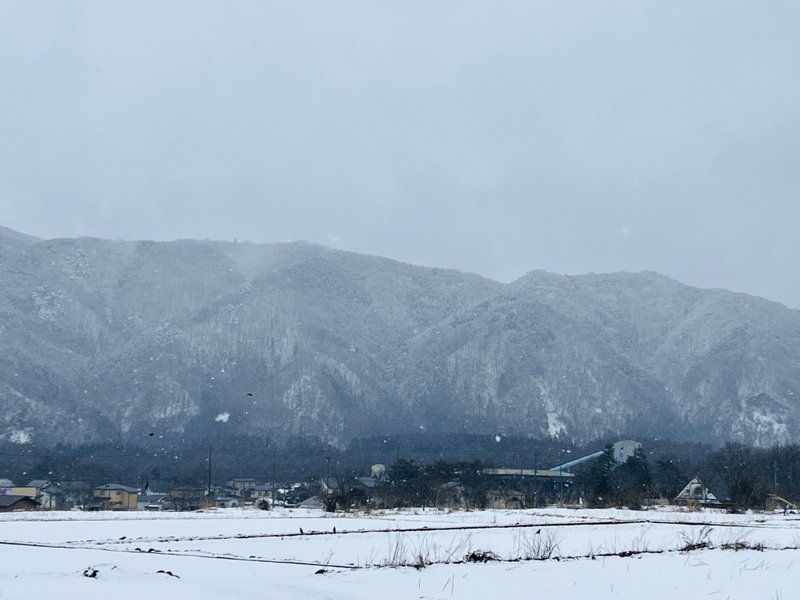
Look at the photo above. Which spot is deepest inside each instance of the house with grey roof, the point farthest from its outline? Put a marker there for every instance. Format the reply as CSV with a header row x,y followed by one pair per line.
x,y
14,503
696,492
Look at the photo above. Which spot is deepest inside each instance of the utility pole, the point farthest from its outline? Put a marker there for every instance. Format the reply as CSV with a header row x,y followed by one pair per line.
x,y
775,477
273,480
209,471
328,472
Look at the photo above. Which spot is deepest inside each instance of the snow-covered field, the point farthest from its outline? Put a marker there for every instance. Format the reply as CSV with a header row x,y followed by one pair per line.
x,y
399,554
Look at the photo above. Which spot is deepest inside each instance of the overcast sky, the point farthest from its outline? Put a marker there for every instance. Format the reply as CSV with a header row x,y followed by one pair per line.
x,y
495,137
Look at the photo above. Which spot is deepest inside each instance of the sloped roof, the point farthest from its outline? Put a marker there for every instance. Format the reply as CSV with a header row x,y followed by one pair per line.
x,y
368,482
117,486
37,483
151,498
696,490
224,498
313,502
9,500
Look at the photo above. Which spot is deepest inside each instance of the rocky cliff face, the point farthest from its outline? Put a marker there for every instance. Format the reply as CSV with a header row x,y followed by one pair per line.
x,y
103,340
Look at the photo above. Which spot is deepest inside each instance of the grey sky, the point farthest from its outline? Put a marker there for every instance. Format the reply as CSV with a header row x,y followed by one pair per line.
x,y
495,137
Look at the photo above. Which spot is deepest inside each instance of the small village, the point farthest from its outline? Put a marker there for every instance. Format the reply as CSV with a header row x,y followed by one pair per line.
x,y
495,489
42,494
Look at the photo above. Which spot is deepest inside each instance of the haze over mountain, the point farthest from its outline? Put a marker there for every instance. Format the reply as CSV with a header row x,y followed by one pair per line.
x,y
110,340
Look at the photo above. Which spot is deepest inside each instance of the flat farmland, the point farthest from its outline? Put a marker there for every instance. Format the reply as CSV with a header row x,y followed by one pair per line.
x,y
400,554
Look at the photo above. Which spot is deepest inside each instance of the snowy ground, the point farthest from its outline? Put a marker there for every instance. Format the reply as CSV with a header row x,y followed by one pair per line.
x,y
254,554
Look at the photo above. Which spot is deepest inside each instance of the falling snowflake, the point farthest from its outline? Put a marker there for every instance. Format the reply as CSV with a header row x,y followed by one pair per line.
x,y
223,417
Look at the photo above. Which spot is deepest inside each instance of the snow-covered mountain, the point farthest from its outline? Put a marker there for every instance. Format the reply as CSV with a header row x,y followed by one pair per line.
x,y
107,340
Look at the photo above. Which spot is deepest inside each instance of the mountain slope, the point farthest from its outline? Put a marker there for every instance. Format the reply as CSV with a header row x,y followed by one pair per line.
x,y
103,340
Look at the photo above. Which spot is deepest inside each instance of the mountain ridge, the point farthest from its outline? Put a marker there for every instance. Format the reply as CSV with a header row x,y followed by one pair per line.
x,y
105,340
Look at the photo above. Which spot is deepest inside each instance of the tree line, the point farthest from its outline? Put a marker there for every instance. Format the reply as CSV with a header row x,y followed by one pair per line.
x,y
420,465
741,477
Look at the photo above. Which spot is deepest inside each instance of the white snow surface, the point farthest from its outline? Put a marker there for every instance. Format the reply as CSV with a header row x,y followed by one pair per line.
x,y
248,553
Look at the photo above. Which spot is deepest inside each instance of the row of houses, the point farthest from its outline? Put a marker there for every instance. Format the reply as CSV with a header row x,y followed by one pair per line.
x,y
47,495
42,494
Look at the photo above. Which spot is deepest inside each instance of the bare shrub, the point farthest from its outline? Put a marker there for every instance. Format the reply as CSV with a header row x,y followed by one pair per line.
x,y
481,556
397,553
737,545
424,551
696,539
538,545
